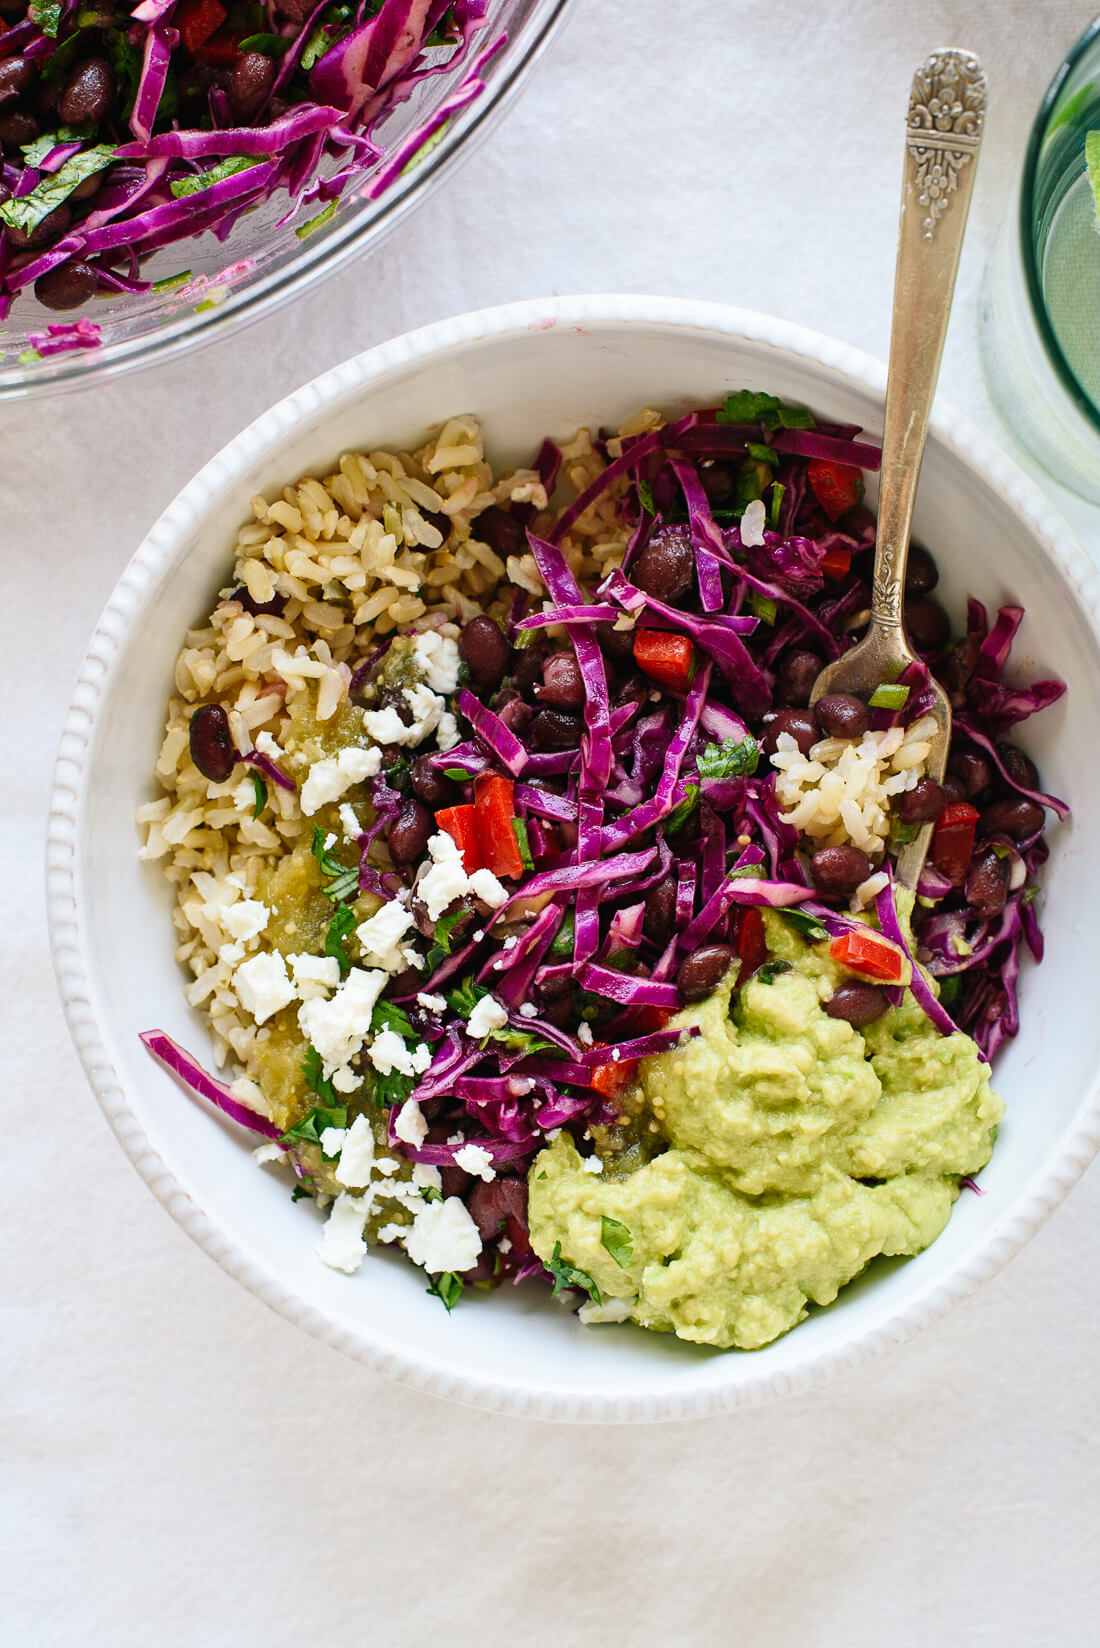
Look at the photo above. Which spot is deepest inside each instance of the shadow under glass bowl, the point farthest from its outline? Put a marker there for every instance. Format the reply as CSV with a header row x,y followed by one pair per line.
x,y
262,265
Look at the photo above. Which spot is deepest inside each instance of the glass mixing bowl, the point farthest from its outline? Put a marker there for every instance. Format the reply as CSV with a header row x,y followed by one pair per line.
x,y
262,265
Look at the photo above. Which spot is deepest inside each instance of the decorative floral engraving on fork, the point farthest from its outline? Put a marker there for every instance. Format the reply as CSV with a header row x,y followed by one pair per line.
x,y
946,114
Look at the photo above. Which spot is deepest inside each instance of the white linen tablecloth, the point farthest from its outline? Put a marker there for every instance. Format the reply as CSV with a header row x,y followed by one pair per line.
x,y
181,1467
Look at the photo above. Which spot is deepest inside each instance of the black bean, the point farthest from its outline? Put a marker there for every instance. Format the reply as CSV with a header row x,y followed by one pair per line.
x,y
1019,767
500,530
666,567
927,624
88,187
393,698
514,712
921,574
492,1204
250,83
441,522
45,98
556,730
67,286
986,886
839,869
17,127
842,715
212,748
859,1004
16,75
561,1013
972,770
553,988
618,644
272,608
633,688
485,648
923,802
430,785
660,911
1018,818
795,677
526,666
51,228
410,832
801,725
953,790
456,1181
958,667
86,95
702,972
562,682
718,481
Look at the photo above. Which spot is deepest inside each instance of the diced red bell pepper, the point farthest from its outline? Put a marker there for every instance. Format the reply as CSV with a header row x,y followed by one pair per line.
x,y
222,49
836,563
752,944
669,659
609,1079
460,823
197,20
837,487
953,840
494,809
646,1021
867,952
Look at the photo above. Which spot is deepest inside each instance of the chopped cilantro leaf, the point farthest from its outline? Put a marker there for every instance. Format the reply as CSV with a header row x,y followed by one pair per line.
x,y
465,997
562,946
444,927
391,1091
748,488
311,1071
260,789
388,1016
679,816
771,971
448,1287
568,1276
272,45
645,496
762,454
344,882
337,934
183,186
616,1240
26,212
309,1129
47,14
732,758
747,406
519,829
459,774
302,1191
304,230
808,926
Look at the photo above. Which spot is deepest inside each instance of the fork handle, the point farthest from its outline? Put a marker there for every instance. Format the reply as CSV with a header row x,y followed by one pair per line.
x,y
943,134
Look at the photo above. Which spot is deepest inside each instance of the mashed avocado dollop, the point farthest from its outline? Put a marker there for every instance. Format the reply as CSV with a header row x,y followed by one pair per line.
x,y
798,1148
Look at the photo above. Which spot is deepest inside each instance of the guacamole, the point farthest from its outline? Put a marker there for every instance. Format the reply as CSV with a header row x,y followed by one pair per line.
x,y
798,1148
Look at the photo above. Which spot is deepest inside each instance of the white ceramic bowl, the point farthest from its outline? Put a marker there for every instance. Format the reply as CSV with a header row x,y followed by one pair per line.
x,y
527,370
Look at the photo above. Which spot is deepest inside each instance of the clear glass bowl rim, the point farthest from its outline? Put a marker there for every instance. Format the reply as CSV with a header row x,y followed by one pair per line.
x,y
257,298
1065,372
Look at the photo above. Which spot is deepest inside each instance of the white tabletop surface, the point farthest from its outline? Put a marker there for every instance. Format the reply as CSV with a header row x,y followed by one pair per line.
x,y
181,1466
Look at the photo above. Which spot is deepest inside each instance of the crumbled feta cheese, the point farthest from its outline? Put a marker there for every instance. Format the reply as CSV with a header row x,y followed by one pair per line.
x,y
381,934
485,886
314,975
345,1080
443,1237
269,1152
331,778
262,985
437,658
409,1124
231,953
349,822
392,1233
387,1165
388,1052
332,1140
474,1158
430,1003
246,919
357,1156
504,1245
266,744
446,879
447,734
584,1033
337,1028
752,525
592,1164
386,726
342,1245
612,1310
528,1010
487,1015
427,1177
